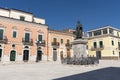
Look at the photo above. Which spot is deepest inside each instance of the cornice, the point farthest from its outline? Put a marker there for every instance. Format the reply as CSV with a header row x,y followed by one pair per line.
x,y
22,22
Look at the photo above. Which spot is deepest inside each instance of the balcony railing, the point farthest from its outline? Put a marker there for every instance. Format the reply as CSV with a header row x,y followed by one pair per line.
x,y
68,45
55,43
4,40
30,42
40,43
101,47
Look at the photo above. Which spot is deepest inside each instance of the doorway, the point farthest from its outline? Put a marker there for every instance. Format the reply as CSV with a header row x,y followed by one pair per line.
x,y
119,55
61,55
0,54
25,55
98,54
39,55
68,53
54,54
12,55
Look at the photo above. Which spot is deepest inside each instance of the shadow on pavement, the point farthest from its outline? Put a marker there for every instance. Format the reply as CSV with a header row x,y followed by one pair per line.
x,y
110,73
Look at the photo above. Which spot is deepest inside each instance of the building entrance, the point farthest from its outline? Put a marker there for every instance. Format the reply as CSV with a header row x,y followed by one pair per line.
x,y
54,54
12,55
98,54
0,54
68,53
39,55
25,55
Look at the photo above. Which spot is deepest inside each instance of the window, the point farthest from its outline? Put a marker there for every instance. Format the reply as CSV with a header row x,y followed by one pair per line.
x,y
98,32
119,44
112,42
22,18
101,44
105,31
118,34
61,41
111,31
39,37
1,34
54,40
68,41
95,45
90,34
86,46
14,34
27,37
113,52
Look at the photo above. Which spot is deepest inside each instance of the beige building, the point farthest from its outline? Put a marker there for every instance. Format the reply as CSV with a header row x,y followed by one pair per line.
x,y
23,37
104,42
59,44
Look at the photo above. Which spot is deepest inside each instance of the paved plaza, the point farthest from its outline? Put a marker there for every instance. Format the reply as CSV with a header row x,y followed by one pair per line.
x,y
106,70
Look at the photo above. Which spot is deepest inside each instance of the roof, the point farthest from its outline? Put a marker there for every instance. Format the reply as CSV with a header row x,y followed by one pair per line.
x,y
59,32
16,10
103,27
21,11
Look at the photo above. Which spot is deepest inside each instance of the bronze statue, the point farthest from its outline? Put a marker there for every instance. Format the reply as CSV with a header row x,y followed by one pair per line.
x,y
79,30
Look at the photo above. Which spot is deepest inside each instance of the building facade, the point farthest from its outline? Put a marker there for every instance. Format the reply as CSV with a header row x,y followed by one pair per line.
x,y
104,43
59,45
23,37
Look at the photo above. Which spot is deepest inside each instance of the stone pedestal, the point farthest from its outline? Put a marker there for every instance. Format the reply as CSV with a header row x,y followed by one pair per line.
x,y
79,48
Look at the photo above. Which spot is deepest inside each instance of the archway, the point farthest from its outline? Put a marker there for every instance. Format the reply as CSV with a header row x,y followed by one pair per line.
x,y
54,54
12,55
39,55
68,53
0,54
61,54
25,55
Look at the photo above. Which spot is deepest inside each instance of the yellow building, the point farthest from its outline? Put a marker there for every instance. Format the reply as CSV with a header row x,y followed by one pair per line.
x,y
104,43
23,37
59,44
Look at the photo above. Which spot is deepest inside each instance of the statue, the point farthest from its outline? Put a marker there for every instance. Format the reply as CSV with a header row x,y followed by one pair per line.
x,y
79,30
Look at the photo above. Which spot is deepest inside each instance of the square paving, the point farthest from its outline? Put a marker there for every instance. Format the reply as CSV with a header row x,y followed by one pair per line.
x,y
106,70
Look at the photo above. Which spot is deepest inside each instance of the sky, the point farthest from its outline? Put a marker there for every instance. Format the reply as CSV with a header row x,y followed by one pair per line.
x,y
64,14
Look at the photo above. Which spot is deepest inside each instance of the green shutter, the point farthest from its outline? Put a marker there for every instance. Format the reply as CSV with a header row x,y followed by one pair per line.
x,y
61,41
68,41
54,40
40,37
22,18
27,37
1,34
14,34
12,55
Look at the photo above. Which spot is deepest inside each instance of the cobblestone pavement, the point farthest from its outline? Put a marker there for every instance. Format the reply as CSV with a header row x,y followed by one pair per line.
x,y
54,70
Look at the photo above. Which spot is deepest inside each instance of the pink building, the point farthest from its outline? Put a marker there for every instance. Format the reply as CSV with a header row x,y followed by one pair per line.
x,y
23,37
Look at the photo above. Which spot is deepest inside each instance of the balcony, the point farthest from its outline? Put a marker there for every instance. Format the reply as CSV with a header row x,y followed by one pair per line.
x,y
68,45
56,44
4,40
30,42
40,43
95,48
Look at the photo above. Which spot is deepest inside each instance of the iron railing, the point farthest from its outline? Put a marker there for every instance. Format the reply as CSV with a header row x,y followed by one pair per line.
x,y
4,40
29,42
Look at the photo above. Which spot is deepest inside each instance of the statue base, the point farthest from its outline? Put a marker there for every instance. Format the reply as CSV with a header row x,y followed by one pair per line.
x,y
79,48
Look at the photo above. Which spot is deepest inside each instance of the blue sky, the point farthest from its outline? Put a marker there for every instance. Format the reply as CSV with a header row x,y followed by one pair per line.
x,y
61,14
